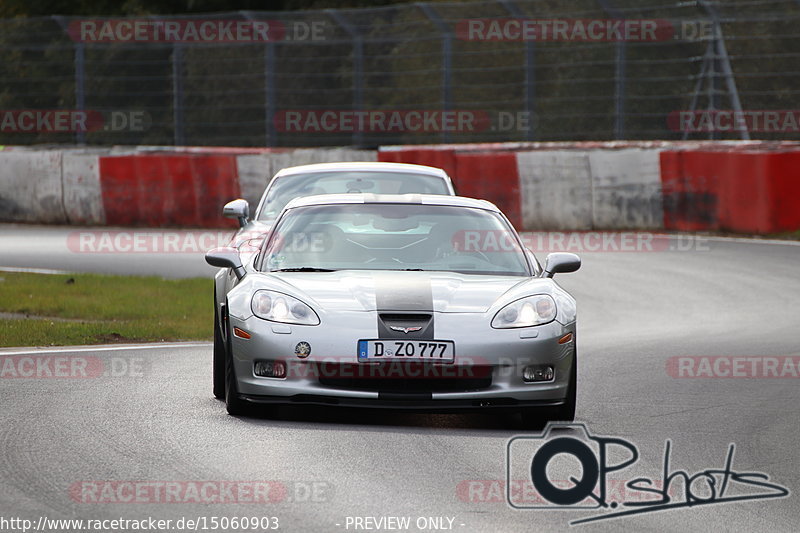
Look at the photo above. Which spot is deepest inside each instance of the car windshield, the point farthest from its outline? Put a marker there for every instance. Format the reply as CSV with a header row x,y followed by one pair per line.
x,y
394,237
286,188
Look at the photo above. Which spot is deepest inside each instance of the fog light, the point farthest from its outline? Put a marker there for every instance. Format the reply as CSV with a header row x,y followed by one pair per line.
x,y
270,369
538,373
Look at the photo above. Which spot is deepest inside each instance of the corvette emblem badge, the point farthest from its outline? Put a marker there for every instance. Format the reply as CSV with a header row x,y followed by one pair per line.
x,y
405,330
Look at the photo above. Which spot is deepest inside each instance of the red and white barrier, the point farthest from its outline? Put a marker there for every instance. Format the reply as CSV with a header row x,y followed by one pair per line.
x,y
476,173
752,191
750,187
143,186
167,189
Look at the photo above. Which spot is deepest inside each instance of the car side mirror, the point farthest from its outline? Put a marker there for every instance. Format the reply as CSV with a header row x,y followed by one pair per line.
x,y
238,209
226,258
560,262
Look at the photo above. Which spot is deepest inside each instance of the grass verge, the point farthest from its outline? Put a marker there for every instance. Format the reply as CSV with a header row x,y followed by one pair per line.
x,y
69,309
789,235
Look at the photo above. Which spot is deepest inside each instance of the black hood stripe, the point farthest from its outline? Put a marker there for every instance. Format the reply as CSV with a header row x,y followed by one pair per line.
x,y
404,300
400,292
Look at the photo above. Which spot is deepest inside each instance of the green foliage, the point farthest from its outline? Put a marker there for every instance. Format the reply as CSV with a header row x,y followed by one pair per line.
x,y
228,93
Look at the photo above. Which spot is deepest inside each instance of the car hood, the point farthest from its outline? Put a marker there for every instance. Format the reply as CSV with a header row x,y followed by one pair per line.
x,y
445,292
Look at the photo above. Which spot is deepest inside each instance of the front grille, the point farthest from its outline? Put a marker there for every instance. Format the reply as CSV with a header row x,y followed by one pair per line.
x,y
423,321
407,377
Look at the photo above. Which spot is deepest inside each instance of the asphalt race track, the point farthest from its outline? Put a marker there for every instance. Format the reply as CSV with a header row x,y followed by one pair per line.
x,y
59,248
70,445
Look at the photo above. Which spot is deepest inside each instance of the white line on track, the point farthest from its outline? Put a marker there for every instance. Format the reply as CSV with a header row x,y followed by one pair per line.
x,y
33,270
748,240
105,348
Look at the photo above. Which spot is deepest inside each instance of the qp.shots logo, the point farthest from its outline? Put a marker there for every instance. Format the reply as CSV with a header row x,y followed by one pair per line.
x,y
571,469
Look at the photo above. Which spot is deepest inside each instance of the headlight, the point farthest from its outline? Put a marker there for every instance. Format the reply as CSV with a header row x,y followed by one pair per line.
x,y
278,307
530,311
567,312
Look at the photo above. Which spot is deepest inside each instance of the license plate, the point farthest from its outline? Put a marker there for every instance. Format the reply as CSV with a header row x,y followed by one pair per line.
x,y
396,350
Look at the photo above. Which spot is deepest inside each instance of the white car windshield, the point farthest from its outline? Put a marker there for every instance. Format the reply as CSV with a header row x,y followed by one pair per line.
x,y
286,188
394,237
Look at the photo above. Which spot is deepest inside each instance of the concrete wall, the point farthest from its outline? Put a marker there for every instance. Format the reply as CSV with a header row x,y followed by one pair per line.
x,y
31,189
555,190
626,188
749,187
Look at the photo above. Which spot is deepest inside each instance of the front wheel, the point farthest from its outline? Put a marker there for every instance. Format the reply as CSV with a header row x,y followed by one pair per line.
x,y
218,368
537,418
233,403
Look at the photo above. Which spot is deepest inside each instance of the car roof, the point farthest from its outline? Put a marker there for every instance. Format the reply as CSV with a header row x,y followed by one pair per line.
x,y
410,199
372,166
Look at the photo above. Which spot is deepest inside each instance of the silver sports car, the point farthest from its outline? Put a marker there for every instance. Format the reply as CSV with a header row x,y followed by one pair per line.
x,y
332,178
395,301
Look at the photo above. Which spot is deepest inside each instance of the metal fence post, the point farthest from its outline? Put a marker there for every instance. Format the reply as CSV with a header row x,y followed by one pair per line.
x,y
271,136
619,90
79,67
712,91
707,57
447,64
530,73
80,86
358,67
722,59
179,137
620,64
447,60
358,84
530,90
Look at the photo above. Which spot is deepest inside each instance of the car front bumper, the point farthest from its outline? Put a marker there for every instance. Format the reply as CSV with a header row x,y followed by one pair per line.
x,y
487,371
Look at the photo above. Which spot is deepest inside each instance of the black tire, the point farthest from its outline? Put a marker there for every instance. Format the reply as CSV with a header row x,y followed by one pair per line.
x,y
218,369
233,403
537,418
